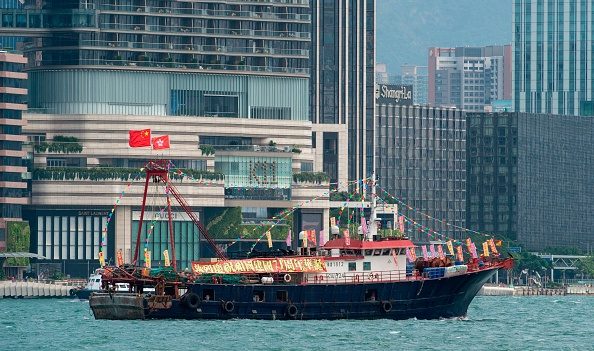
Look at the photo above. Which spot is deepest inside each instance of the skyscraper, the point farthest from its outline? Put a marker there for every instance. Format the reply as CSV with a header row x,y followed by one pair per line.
x,y
342,82
469,78
553,62
228,81
13,93
418,77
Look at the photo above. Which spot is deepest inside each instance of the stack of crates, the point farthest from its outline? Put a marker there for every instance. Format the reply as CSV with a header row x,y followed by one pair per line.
x,y
434,273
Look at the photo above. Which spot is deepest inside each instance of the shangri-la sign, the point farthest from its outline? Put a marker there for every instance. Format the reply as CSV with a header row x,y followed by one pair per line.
x,y
262,265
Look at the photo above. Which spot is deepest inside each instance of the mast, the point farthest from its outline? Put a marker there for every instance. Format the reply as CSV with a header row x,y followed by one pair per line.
x,y
372,230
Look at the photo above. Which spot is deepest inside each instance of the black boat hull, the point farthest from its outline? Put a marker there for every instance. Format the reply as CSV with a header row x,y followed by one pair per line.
x,y
421,299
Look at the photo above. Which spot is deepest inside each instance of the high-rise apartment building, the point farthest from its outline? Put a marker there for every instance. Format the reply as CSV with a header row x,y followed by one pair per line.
x,y
530,178
13,94
226,77
469,78
553,64
418,77
342,84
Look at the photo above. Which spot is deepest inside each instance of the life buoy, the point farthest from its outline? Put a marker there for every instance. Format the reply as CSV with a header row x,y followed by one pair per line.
x,y
386,306
191,300
287,278
72,292
292,311
228,306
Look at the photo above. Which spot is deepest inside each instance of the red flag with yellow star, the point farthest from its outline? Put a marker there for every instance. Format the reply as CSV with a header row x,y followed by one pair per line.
x,y
139,138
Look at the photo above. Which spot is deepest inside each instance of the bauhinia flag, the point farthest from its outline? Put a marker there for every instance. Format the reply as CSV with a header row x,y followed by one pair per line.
x,y
139,138
161,142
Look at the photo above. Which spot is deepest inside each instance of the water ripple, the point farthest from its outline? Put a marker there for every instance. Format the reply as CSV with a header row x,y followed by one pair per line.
x,y
493,323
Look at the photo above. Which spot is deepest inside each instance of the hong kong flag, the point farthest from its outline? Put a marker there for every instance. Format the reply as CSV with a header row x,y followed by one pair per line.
x,y
161,142
139,138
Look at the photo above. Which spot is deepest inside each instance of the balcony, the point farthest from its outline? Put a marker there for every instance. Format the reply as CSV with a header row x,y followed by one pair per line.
x,y
253,148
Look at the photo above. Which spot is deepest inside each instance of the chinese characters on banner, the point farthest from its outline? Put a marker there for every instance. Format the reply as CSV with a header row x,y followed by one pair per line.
x,y
261,265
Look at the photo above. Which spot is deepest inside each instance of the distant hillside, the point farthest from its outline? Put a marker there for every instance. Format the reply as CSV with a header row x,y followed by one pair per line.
x,y
406,28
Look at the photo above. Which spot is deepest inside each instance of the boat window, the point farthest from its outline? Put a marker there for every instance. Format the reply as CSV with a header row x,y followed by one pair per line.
x,y
97,280
358,252
368,252
208,294
349,253
258,296
386,252
370,295
352,266
366,266
377,252
282,296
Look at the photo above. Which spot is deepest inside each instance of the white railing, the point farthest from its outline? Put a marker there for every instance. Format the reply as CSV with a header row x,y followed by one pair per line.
x,y
359,277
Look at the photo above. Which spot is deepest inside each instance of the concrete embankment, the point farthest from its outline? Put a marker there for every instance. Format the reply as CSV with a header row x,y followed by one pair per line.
x,y
534,291
33,289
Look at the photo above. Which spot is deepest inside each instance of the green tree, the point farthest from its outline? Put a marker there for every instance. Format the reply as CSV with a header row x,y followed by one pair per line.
x,y
531,262
586,266
18,240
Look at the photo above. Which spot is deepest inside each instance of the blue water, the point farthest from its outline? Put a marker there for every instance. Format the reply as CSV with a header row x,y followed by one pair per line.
x,y
493,323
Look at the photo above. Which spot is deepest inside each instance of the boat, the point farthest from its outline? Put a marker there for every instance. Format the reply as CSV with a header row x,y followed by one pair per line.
x,y
346,278
94,285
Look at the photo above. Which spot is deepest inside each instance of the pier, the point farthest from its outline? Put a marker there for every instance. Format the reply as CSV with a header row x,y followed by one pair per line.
x,y
489,290
9,289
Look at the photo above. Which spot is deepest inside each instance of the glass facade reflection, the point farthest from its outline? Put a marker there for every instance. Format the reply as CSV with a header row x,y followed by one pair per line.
x,y
421,159
530,178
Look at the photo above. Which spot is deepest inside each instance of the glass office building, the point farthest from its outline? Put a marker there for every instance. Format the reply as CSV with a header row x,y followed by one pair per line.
x,y
530,178
421,160
553,65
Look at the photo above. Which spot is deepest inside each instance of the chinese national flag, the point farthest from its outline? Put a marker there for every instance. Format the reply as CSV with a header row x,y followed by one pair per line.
x,y
161,142
140,138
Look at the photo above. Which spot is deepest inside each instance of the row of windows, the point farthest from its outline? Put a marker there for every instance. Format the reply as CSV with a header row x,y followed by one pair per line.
x,y
13,83
13,98
10,210
9,129
11,67
11,114
10,145
10,161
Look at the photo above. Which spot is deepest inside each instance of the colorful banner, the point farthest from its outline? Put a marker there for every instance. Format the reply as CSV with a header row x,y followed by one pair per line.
x,y
432,250
413,254
166,258
395,257
262,265
424,249
401,224
486,249
473,250
460,255
147,258
364,229
101,259
120,258
321,242
288,239
468,244
450,247
440,251
311,236
347,237
269,238
332,221
493,247
409,256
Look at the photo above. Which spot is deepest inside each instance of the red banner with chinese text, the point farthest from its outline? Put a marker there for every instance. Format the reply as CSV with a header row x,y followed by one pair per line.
x,y
262,265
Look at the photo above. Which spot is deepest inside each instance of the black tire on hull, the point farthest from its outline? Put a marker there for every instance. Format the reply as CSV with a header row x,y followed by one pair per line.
x,y
386,306
191,301
228,306
292,311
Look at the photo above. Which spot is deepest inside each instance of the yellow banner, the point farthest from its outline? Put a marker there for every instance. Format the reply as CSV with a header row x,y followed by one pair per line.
x,y
166,258
147,258
101,259
493,247
450,247
460,255
120,258
486,249
332,221
262,265
269,238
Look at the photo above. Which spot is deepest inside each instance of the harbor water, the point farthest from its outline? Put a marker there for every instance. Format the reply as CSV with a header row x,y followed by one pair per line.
x,y
493,323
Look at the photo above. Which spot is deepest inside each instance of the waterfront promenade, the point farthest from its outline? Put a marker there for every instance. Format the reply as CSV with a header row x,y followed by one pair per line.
x,y
490,290
27,289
